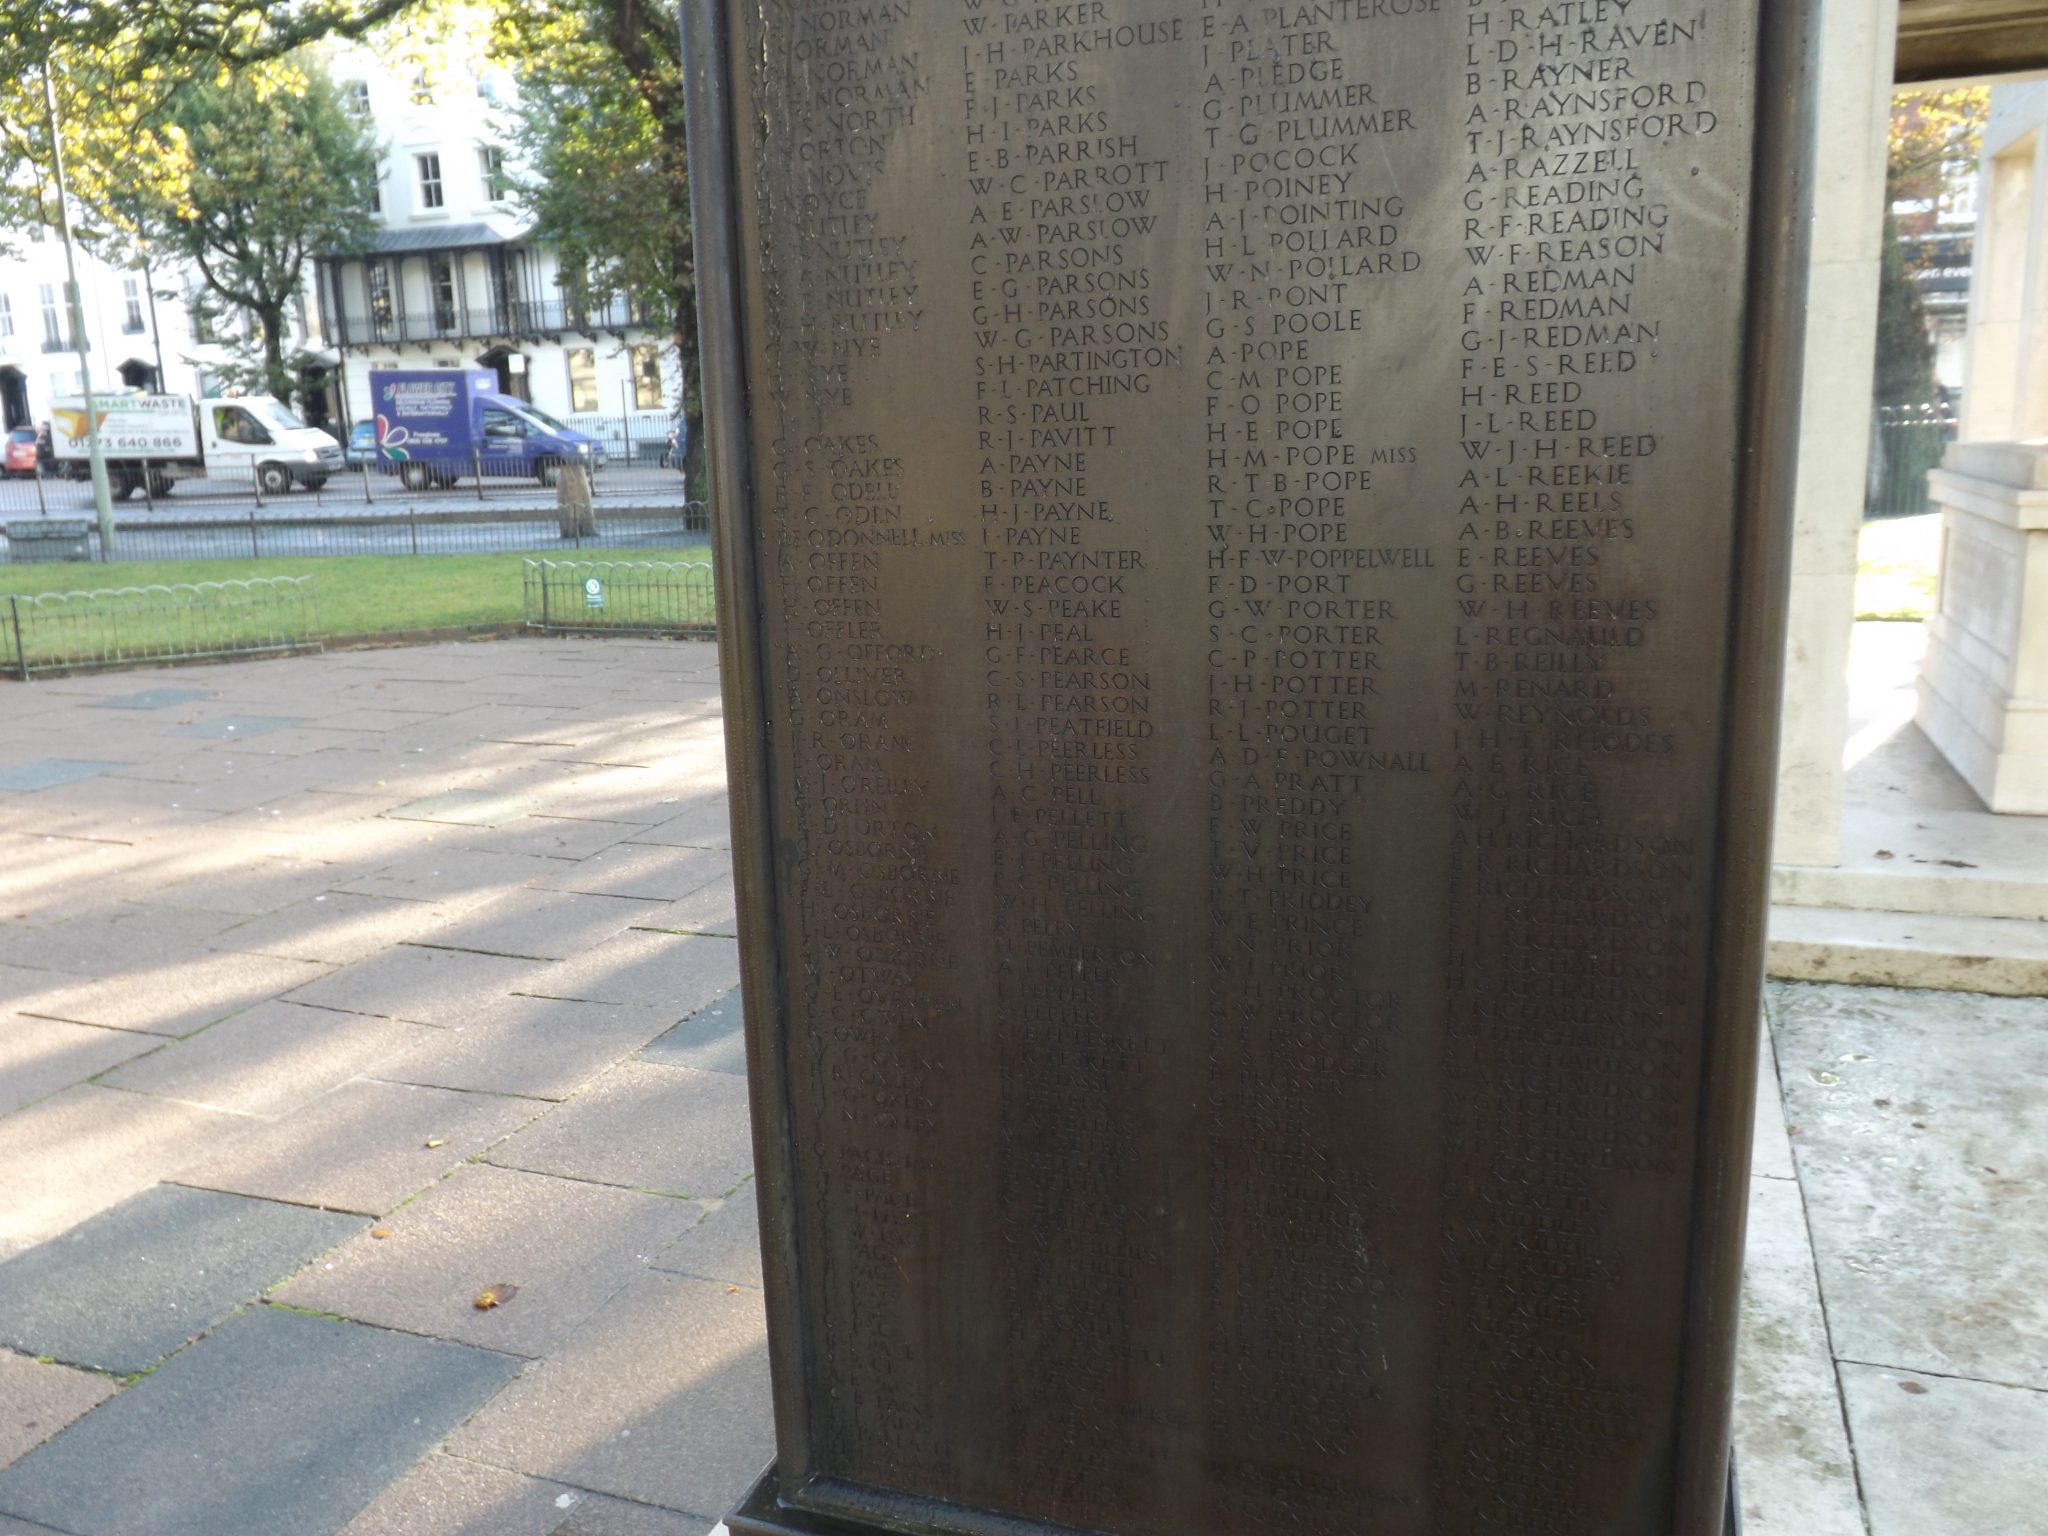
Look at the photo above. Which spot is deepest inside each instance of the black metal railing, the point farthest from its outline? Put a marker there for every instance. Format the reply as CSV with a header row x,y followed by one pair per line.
x,y
1906,441
642,596
501,321
80,631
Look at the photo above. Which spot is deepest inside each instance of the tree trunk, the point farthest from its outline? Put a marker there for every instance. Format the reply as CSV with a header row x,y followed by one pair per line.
x,y
271,318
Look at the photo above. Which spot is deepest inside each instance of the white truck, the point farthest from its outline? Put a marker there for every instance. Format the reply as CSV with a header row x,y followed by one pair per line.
x,y
157,440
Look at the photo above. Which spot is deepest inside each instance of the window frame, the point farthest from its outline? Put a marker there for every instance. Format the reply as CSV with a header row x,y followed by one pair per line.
x,y
433,189
581,379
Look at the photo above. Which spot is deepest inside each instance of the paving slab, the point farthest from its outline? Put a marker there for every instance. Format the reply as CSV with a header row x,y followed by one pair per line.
x,y
447,1496
246,887
725,1245
597,1515
152,698
268,1060
38,1399
672,1130
123,936
48,772
82,1150
1770,1147
201,1447
425,986
712,910
1922,1147
540,924
712,1039
538,1047
1948,1456
661,970
176,997
334,926
660,1398
704,823
38,1057
651,872
568,1246
122,1290
363,1147
467,808
550,837
450,873
236,727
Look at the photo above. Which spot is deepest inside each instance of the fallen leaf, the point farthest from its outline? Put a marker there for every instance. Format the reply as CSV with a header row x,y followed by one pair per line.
x,y
380,1233
1913,1387
437,1141
1885,853
494,1295
730,1289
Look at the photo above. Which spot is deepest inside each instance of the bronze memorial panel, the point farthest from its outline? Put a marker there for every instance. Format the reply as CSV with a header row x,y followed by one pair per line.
x,y
1248,540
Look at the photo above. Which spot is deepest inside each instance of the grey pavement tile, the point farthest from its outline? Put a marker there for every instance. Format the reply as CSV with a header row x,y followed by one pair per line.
x,y
82,1150
125,1288
704,823
248,886
38,1057
650,872
1795,1469
176,997
712,910
270,1059
152,698
668,1129
1923,1152
1770,1148
236,727
38,1399
371,717
9,1526
364,1147
551,837
447,1496
1940,1454
467,808
334,926
46,878
597,1515
725,1246
625,794
451,873
48,772
538,1047
662,970
201,1447
568,1246
660,1398
537,924
426,986
122,937
301,813
713,1039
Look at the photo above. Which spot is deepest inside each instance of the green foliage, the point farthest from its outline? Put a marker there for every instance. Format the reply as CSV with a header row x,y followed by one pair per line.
x,y
1905,351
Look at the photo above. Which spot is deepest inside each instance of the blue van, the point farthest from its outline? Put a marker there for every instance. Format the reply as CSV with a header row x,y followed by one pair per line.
x,y
435,425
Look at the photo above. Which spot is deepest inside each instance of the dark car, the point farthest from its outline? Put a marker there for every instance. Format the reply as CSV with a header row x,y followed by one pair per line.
x,y
361,448
18,457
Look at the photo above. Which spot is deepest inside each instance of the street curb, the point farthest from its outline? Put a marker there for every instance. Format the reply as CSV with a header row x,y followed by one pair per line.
x,y
382,638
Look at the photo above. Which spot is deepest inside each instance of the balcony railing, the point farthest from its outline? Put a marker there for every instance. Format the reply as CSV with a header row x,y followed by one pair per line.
x,y
547,318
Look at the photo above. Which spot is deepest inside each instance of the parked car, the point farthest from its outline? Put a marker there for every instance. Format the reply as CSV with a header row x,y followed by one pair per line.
x,y
362,445
18,457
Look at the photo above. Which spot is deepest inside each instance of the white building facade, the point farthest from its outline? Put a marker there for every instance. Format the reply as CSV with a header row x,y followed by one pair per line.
x,y
454,278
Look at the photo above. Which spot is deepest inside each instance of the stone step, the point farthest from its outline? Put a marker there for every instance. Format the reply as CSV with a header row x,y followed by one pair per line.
x,y
2007,956
1952,890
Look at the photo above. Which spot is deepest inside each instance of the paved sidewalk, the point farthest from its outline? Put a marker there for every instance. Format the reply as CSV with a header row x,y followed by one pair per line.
x,y
333,992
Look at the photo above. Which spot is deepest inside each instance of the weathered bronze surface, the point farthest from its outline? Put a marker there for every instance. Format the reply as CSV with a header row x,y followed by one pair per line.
x,y
1247,556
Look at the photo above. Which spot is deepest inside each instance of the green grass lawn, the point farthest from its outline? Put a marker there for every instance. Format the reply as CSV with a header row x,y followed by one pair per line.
x,y
355,594
1898,562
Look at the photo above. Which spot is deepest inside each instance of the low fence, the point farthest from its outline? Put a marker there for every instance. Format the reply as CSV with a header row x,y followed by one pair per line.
x,y
1906,441
81,631
644,596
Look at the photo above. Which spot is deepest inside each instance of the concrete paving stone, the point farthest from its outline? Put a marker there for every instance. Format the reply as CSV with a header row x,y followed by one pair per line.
x,y
705,823
551,837
365,845
335,926
375,718
661,1397
453,874
425,986
567,1245
38,1057
268,1060
247,887
152,698
1771,1148
275,1422
1795,1470
301,813
82,1150
38,1399
713,1039
597,1515
626,794
668,1129
125,1288
537,1047
725,1246
540,924
46,773
712,910
1940,1454
467,808
644,870
176,997
363,1147
447,1496
1923,1152
236,727
658,969
123,936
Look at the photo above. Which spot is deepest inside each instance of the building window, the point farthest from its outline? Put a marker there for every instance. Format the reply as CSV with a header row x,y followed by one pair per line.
x,y
378,276
490,164
53,324
131,298
582,378
359,98
6,315
422,87
647,378
430,181
377,190
441,278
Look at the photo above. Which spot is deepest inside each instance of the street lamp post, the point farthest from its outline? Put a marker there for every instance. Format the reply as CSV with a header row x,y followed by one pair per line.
x,y
102,494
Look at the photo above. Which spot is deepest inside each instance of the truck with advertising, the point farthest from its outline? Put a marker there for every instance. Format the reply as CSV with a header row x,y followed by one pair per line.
x,y
436,425
158,440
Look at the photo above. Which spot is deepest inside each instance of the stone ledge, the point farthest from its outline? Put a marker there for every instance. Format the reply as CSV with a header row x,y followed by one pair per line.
x,y
2007,957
